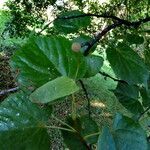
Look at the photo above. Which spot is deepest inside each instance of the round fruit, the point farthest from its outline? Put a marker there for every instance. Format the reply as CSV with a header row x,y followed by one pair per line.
x,y
76,47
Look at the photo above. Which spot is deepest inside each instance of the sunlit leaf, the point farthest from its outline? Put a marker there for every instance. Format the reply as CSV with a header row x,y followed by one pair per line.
x,y
22,125
106,140
128,134
54,89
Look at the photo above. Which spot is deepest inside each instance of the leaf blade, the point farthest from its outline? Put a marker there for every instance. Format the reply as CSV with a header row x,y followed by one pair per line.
x,y
54,89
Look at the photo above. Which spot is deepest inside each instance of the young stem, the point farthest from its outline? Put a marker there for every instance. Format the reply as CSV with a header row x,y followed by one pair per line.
x,y
60,128
64,123
90,135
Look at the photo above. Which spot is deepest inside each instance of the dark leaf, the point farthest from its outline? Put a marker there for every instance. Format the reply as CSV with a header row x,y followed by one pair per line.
x,y
128,97
134,39
85,128
127,64
71,25
54,89
22,125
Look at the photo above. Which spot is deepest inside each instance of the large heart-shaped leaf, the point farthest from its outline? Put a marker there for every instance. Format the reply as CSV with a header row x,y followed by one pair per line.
x,y
126,134
33,65
69,22
54,89
128,97
43,59
22,125
127,65
106,140
86,133
67,62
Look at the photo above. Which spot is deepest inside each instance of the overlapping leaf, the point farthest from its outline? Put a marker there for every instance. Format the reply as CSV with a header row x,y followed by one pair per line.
x,y
127,134
145,93
22,124
127,65
85,128
128,97
106,140
54,89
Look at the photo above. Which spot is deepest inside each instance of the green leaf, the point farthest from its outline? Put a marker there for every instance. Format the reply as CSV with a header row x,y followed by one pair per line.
x,y
128,97
128,134
94,64
66,61
145,122
106,141
145,93
127,64
71,25
22,125
134,39
54,89
33,65
85,128
89,127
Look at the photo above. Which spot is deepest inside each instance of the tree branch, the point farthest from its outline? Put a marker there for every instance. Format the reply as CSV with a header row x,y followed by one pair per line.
x,y
105,15
95,15
45,27
99,36
87,97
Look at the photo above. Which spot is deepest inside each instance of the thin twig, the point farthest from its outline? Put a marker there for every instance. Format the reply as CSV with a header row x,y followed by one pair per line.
x,y
87,97
60,128
107,75
46,26
90,135
3,92
95,15
145,111
64,123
